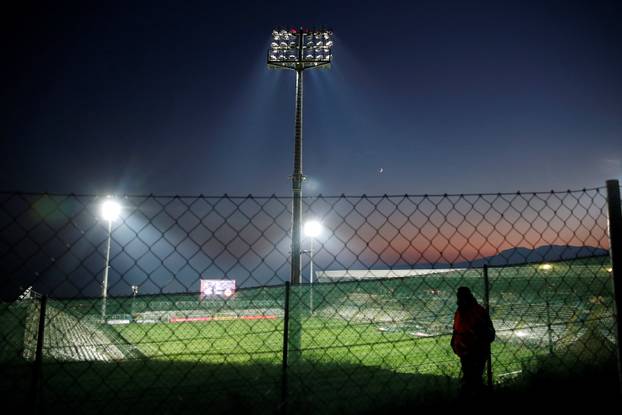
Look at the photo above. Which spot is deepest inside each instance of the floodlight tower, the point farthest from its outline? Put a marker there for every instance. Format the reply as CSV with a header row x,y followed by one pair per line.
x,y
299,49
110,211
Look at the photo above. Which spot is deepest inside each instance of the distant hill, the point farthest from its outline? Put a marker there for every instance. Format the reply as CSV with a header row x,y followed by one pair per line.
x,y
545,253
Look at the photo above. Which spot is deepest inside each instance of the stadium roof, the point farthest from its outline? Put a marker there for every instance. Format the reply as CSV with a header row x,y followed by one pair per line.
x,y
372,274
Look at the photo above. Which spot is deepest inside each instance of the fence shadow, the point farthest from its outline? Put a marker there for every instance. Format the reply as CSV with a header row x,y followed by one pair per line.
x,y
163,387
559,383
148,386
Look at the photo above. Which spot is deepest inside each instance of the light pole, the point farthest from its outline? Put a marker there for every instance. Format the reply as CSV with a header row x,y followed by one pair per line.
x,y
312,230
546,268
299,49
110,211
134,293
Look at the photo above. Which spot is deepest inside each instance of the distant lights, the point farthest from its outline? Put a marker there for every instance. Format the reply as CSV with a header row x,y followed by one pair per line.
x,y
609,269
545,267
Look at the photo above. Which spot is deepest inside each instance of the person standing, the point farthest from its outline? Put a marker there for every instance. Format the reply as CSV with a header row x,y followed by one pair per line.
x,y
473,332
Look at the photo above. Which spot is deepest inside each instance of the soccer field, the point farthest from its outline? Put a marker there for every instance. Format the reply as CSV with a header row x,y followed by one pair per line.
x,y
217,361
322,342
214,361
360,342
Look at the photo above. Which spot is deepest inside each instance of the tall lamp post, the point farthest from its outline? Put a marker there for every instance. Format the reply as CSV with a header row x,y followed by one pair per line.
x,y
298,50
546,268
312,230
110,211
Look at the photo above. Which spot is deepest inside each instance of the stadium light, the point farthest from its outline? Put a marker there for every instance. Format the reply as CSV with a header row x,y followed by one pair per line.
x,y
545,267
110,211
313,229
298,50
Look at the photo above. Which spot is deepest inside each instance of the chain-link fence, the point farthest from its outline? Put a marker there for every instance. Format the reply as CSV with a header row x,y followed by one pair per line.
x,y
197,310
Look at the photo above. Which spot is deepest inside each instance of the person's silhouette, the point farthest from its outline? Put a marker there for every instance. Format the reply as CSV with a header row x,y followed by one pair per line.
x,y
472,334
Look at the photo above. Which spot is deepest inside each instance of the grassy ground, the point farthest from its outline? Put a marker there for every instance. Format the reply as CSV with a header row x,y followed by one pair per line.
x,y
181,386
236,365
322,342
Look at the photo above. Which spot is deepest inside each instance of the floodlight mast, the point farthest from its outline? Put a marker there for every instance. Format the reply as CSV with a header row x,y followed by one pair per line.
x,y
317,54
110,211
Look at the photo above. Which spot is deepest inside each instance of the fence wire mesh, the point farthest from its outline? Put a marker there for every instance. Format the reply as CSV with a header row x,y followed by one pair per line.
x,y
370,323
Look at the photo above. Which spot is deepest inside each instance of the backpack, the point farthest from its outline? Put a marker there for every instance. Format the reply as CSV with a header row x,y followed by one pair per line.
x,y
485,329
488,333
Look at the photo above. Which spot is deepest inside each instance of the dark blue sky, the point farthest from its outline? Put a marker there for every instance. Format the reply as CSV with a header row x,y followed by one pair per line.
x,y
444,96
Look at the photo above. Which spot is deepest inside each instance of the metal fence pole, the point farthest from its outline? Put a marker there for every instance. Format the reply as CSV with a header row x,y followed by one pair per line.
x,y
284,381
615,251
36,371
487,305
311,276
549,324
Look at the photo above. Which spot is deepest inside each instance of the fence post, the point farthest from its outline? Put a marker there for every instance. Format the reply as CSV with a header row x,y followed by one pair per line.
x,y
36,371
615,252
284,380
547,304
487,305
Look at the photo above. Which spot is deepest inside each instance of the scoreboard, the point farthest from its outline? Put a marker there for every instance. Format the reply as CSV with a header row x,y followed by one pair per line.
x,y
211,288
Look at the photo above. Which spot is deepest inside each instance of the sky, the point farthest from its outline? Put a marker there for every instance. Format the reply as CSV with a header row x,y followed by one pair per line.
x,y
422,97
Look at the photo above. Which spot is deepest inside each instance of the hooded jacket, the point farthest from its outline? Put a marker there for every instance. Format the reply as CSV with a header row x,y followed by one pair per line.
x,y
472,331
